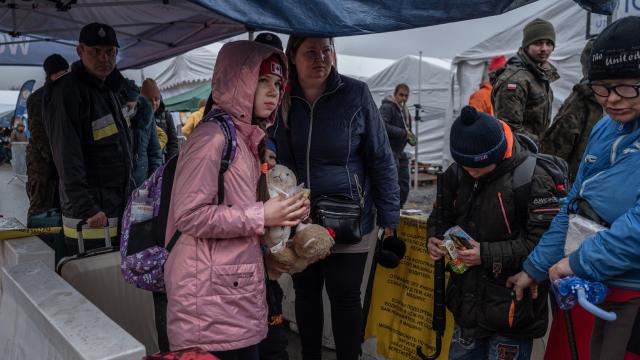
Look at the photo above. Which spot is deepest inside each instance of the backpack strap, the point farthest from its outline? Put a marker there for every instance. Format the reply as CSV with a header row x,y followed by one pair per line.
x,y
521,182
228,153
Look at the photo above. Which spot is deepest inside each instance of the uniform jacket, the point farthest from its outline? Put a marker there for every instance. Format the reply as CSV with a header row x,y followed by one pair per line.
x,y
90,143
165,122
339,145
522,95
147,156
42,186
567,137
391,114
609,180
478,298
481,99
214,275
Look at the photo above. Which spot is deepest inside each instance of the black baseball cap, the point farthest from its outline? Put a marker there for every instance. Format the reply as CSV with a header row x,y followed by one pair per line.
x,y
269,39
97,34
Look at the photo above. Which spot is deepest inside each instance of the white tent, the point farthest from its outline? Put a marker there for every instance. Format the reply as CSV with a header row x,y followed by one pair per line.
x,y
570,22
434,98
361,67
8,99
194,68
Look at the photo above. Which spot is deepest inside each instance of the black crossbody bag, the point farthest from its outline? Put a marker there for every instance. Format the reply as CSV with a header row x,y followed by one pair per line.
x,y
340,213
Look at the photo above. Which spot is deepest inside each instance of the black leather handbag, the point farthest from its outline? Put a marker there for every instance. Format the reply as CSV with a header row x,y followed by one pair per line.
x,y
341,214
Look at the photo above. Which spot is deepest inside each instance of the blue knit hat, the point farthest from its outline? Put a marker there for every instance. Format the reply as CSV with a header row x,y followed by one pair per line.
x,y
477,139
271,145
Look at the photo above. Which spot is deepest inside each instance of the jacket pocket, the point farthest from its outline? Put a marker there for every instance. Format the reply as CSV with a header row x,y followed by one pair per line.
x,y
235,279
502,313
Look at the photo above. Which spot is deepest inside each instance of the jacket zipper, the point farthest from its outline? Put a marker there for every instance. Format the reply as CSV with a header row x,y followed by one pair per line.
x,y
360,191
337,213
312,106
471,199
504,213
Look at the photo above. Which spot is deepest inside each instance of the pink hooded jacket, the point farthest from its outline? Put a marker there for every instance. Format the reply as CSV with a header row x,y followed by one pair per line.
x,y
215,273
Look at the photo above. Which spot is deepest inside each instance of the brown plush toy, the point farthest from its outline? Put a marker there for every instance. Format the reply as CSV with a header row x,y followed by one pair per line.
x,y
312,242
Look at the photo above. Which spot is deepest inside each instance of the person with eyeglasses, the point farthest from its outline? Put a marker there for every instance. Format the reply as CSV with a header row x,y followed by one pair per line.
x,y
334,139
569,132
90,139
607,192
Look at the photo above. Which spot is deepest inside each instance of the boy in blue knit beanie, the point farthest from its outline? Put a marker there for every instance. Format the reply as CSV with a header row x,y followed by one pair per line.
x,y
479,196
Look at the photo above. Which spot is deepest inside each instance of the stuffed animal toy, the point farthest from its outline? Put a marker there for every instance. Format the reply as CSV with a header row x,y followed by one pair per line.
x,y
311,243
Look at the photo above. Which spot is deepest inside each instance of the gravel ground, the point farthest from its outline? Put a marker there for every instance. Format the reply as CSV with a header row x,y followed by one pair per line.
x,y
421,198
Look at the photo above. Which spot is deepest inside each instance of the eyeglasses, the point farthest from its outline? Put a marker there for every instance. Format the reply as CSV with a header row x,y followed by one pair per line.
x,y
97,52
626,91
313,55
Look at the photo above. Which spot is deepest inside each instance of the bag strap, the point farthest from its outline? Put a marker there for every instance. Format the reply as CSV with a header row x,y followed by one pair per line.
x,y
521,182
228,152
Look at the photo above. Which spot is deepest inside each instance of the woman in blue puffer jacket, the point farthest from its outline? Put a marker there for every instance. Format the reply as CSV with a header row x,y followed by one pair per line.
x,y
335,141
145,147
606,190
147,155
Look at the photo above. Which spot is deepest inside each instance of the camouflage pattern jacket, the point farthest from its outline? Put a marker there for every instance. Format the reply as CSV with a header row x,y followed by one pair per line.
x,y
568,135
522,96
42,186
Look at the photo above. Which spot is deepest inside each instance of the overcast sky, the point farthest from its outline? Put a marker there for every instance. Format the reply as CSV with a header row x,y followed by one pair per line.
x,y
444,41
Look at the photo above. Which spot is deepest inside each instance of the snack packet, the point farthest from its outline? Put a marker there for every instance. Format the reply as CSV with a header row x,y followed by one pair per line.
x,y
456,239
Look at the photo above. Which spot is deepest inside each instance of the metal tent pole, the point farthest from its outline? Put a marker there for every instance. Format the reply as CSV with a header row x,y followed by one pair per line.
x,y
417,122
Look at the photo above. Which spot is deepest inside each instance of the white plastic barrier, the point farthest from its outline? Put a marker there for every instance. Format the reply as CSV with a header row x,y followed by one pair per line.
x,y
19,160
43,317
16,251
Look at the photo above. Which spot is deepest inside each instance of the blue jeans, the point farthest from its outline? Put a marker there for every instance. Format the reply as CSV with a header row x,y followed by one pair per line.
x,y
490,348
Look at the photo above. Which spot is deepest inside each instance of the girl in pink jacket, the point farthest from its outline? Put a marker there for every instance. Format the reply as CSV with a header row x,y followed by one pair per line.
x,y
214,276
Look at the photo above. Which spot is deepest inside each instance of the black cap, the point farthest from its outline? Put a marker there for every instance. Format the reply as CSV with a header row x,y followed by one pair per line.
x,y
97,34
269,39
616,51
54,63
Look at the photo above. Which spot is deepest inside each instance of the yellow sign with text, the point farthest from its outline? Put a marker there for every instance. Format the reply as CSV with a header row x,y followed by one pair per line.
x,y
401,308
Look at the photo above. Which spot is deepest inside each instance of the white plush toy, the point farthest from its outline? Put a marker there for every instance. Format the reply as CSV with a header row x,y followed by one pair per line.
x,y
311,242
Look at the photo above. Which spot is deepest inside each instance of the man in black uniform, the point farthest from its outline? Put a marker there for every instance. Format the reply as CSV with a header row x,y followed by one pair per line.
x,y
90,138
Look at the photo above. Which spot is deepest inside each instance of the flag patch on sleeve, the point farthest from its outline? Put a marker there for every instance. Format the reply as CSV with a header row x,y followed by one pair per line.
x,y
512,87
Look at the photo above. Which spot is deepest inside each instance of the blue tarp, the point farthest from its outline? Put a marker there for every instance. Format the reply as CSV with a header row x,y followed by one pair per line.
x,y
152,31
354,17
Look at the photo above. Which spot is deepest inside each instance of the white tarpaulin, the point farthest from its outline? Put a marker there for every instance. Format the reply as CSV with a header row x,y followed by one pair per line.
x,y
194,68
570,22
434,98
361,67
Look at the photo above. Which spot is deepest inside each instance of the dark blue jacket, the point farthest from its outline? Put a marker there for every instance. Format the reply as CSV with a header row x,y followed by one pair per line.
x,y
343,139
394,123
147,156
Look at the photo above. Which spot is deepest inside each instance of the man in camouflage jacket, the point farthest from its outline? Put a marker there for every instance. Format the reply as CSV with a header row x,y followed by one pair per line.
x,y
42,186
522,94
568,135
